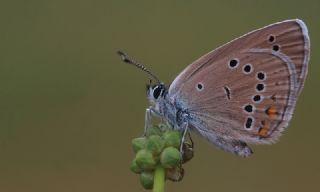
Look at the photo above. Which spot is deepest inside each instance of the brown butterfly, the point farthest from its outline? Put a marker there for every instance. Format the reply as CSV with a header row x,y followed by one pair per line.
x,y
242,92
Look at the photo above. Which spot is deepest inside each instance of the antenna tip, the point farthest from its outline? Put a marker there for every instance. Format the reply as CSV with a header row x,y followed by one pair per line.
x,y
123,56
120,52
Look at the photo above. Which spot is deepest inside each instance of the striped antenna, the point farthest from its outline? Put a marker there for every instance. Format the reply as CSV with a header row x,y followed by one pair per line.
x,y
127,59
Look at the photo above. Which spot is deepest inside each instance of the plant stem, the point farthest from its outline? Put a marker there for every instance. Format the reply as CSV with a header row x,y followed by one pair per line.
x,y
159,179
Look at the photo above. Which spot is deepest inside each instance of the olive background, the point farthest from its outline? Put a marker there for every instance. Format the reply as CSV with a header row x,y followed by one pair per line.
x,y
69,107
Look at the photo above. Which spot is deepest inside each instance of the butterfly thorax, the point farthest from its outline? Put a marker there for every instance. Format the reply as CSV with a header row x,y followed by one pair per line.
x,y
164,107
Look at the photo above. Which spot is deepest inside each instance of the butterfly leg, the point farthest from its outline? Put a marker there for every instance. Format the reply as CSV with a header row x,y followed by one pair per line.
x,y
185,131
190,139
147,120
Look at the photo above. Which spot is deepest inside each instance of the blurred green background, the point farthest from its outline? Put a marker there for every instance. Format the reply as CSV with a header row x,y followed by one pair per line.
x,y
69,107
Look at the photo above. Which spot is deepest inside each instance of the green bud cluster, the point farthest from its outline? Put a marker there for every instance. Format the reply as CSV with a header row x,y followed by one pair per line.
x,y
159,147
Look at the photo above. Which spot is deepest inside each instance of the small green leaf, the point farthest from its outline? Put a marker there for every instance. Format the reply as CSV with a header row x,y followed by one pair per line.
x,y
170,157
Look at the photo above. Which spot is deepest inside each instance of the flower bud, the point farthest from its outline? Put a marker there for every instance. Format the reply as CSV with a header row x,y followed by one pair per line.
x,y
138,144
153,131
172,138
144,160
155,144
134,167
170,157
146,179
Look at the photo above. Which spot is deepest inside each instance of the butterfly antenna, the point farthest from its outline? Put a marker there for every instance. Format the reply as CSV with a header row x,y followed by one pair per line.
x,y
127,59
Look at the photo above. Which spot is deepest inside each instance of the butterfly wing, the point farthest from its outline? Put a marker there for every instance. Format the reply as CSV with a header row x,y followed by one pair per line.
x,y
246,90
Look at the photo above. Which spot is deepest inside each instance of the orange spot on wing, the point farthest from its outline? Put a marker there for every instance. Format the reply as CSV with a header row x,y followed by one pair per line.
x,y
264,129
272,112
263,132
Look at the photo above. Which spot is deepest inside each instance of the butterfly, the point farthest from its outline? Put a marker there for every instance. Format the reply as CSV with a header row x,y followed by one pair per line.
x,y
241,93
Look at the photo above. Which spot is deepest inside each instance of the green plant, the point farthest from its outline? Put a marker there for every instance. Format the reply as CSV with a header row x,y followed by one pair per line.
x,y
158,157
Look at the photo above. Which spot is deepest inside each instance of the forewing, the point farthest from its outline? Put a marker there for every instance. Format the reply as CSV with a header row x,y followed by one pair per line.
x,y
219,88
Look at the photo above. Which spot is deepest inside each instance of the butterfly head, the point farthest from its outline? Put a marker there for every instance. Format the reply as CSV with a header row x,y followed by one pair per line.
x,y
155,92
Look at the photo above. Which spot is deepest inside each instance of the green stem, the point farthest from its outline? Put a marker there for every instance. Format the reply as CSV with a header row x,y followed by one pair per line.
x,y
159,179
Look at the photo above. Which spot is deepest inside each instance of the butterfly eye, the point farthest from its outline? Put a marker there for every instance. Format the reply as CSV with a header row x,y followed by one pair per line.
x,y
156,92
